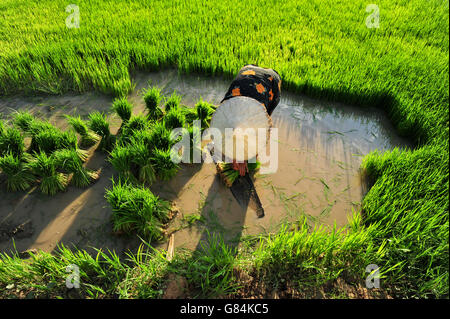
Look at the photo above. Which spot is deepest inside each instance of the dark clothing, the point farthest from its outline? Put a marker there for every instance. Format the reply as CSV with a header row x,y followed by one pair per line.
x,y
263,85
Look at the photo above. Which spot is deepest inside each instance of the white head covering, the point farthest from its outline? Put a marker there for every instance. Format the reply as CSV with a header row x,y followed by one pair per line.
x,y
244,116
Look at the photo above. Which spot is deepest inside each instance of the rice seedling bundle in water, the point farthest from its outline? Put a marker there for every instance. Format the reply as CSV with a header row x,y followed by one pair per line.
x,y
137,209
229,175
44,167
17,171
164,166
2,128
134,125
11,141
69,161
141,156
204,112
123,109
174,119
160,137
23,120
98,124
152,98
122,161
88,138
173,102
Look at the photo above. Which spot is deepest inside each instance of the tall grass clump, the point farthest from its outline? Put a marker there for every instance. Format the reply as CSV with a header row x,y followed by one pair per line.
x,y
137,210
17,171
69,161
141,156
152,99
88,138
11,141
174,119
99,124
135,124
123,109
160,137
23,120
51,181
121,159
204,112
164,166
172,102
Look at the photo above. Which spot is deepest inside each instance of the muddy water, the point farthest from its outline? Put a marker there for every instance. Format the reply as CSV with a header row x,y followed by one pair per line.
x,y
320,148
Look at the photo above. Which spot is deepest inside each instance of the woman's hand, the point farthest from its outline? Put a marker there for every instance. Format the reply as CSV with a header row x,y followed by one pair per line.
x,y
241,167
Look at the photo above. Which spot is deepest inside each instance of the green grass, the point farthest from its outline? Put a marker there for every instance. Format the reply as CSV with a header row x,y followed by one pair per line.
x,y
320,49
18,175
137,210
88,138
152,98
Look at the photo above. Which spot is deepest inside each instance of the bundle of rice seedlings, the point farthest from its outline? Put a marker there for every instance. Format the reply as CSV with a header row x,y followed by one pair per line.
x,y
204,112
190,114
88,138
174,119
122,161
52,181
137,210
164,166
11,141
68,140
2,128
68,161
47,141
123,109
141,156
160,137
173,102
152,98
17,171
229,175
98,124
135,124
23,120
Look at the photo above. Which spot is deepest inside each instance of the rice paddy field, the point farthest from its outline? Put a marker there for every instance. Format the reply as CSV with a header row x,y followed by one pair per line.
x,y
86,177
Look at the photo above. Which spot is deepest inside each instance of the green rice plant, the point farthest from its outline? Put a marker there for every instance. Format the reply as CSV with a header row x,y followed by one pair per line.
x,y
160,137
23,120
164,166
141,156
122,161
135,124
190,114
152,98
70,163
51,180
11,141
137,210
88,138
98,124
229,175
2,128
204,112
123,109
17,171
174,119
47,141
173,102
